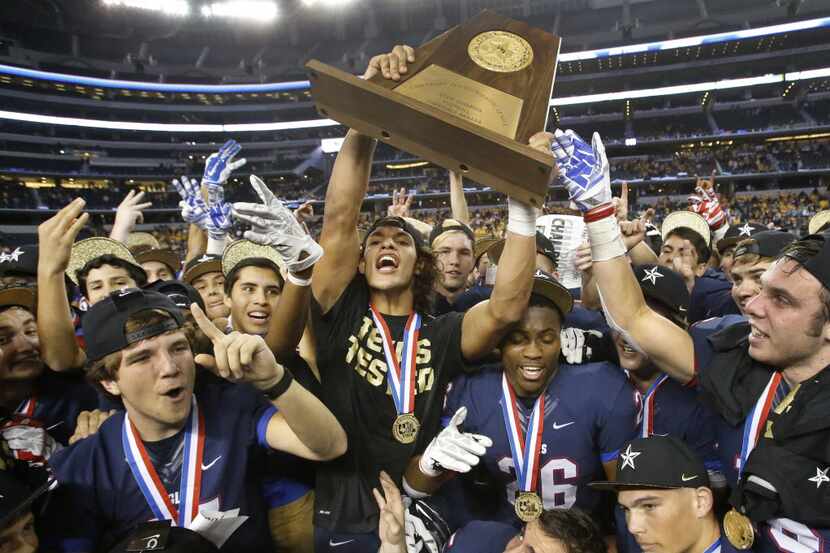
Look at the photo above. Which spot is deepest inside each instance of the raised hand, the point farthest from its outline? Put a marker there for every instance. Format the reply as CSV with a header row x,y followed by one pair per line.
x,y
705,203
391,65
391,520
193,206
452,449
219,219
400,203
273,224
236,356
583,169
220,165
128,215
56,236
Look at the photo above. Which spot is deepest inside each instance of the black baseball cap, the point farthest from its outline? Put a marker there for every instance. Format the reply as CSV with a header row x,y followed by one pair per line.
x,y
104,323
736,234
768,243
198,266
180,293
664,286
543,246
450,225
661,462
548,287
819,265
21,261
161,536
400,223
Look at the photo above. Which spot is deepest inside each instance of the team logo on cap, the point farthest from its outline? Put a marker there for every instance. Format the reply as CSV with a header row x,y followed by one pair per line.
x,y
820,477
628,458
745,230
652,274
14,256
204,258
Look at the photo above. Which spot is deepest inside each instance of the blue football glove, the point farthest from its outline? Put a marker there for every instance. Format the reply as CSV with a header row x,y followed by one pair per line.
x,y
194,209
583,169
219,219
220,165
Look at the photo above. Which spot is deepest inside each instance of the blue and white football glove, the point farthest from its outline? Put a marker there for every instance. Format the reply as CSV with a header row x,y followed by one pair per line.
x,y
583,169
194,209
220,165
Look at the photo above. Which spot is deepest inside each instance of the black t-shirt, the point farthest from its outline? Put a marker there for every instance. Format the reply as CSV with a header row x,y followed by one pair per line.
x,y
354,387
167,456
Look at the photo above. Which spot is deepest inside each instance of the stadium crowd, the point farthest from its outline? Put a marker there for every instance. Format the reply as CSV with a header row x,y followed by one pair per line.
x,y
260,378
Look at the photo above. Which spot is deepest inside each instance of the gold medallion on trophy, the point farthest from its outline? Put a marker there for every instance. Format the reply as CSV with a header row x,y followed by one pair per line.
x,y
500,51
528,506
738,530
405,428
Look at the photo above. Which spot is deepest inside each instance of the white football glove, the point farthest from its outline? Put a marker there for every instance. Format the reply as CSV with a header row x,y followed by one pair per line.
x,y
574,348
274,225
453,450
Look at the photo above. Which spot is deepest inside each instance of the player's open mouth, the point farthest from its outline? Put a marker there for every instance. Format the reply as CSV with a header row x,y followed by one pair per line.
x,y
531,372
175,393
260,316
627,348
386,263
755,335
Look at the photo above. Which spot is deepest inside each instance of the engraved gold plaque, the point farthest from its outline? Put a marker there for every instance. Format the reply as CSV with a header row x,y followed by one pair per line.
x,y
500,51
463,97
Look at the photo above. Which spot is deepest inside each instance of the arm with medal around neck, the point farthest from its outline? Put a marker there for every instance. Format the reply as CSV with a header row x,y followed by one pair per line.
x,y
346,191
486,323
58,347
583,170
302,426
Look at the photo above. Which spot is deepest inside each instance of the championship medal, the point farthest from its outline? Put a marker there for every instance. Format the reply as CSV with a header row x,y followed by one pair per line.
x,y
150,484
401,375
528,506
405,428
738,530
737,526
525,448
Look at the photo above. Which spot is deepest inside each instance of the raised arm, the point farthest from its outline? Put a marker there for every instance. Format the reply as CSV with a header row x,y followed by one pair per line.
x,y
458,201
583,170
273,224
303,426
58,346
128,215
486,323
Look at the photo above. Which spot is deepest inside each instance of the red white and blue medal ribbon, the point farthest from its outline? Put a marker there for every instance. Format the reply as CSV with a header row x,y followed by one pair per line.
x,y
525,447
647,428
148,480
27,407
714,548
401,375
756,420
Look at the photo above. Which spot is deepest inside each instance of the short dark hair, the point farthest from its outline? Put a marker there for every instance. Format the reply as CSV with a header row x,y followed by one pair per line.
x,y
260,262
135,273
699,244
574,529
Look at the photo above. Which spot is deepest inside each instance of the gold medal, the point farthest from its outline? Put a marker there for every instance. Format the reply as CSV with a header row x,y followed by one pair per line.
x,y
528,506
738,530
500,51
405,428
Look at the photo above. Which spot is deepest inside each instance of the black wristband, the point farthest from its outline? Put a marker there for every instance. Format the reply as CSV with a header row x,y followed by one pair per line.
x,y
280,387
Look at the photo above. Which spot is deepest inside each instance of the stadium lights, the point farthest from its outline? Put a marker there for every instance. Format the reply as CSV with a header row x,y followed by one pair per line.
x,y
810,74
253,10
327,3
168,7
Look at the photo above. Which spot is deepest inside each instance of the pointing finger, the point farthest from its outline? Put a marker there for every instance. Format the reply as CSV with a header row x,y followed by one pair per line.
x,y
210,330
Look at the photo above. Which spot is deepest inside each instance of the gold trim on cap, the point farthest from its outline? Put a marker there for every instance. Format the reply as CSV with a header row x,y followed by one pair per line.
x,y
555,292
142,239
86,250
162,255
20,296
818,220
689,220
240,250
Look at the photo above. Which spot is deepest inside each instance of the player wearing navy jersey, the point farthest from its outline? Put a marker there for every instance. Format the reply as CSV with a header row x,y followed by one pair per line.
x,y
29,389
585,414
741,368
368,303
189,452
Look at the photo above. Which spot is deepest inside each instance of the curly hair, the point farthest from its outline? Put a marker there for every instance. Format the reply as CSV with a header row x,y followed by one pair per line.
x,y
423,281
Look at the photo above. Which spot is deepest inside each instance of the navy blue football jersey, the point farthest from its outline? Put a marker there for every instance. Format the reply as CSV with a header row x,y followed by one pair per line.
x,y
590,412
59,400
774,535
99,501
711,297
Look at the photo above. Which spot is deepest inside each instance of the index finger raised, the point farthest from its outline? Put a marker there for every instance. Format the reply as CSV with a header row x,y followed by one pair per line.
x,y
210,330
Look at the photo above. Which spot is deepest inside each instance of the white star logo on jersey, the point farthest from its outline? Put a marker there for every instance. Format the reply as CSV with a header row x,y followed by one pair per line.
x,y
628,458
652,274
14,256
745,230
820,477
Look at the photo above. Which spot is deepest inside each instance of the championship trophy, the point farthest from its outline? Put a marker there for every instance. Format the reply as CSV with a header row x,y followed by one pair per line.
x,y
469,103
